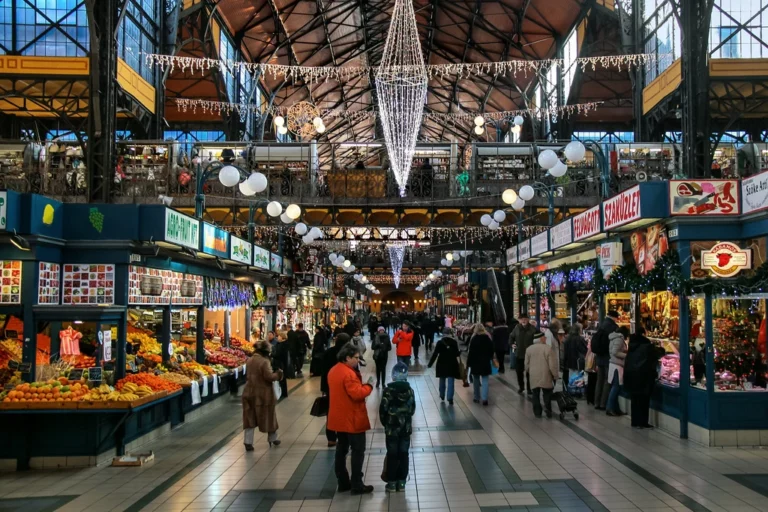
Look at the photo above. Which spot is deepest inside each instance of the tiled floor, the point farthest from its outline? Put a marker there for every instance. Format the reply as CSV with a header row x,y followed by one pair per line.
x,y
463,458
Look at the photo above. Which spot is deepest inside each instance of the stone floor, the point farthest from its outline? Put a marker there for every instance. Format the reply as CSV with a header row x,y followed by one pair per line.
x,y
464,458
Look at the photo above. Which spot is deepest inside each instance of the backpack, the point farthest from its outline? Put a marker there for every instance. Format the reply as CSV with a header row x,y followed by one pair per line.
x,y
600,343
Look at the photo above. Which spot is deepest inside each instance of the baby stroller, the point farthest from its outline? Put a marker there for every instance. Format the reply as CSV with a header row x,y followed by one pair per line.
x,y
566,403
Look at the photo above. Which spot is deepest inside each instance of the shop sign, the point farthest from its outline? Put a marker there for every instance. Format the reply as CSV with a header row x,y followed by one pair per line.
x,y
260,257
181,230
276,263
561,235
3,210
622,209
648,245
540,243
726,259
290,302
586,224
11,282
754,193
611,255
512,256
704,197
240,250
215,241
524,251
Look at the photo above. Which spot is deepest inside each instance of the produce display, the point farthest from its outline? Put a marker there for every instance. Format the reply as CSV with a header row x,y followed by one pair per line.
x,y
198,368
154,382
177,378
10,349
79,361
61,390
148,344
128,393
229,357
242,344
9,377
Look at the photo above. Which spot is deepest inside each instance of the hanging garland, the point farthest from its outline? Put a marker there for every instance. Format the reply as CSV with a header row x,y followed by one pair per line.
x,y
222,294
665,275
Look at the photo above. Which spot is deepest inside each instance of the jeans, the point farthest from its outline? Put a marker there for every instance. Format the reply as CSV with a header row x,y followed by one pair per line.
x,y
397,458
450,388
613,397
500,356
601,387
640,405
357,443
547,401
477,381
522,376
404,359
381,371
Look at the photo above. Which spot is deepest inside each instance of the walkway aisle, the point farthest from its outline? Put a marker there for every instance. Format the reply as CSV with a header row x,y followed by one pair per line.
x,y
465,458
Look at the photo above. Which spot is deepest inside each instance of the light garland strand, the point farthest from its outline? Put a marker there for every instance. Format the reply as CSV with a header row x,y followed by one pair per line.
x,y
317,74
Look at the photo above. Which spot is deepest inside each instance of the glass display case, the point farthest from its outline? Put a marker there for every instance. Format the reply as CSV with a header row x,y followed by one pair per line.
x,y
739,343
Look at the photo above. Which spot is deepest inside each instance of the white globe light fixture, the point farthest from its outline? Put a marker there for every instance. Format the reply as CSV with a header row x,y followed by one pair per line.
x,y
347,264
519,120
317,122
547,159
486,219
282,130
320,129
444,262
257,182
293,211
245,188
518,205
509,196
279,121
274,209
479,121
301,229
229,176
493,226
332,257
317,233
352,268
286,218
449,256
456,256
499,216
575,151
479,130
526,193
559,170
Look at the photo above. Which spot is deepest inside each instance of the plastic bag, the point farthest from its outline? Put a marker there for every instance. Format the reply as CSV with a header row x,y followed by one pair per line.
x,y
276,388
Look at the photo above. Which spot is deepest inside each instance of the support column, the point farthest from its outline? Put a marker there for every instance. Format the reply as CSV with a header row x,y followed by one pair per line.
x,y
695,20
165,334
100,153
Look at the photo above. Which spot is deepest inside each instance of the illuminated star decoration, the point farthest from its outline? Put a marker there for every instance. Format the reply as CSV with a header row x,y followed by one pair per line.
x,y
401,85
396,254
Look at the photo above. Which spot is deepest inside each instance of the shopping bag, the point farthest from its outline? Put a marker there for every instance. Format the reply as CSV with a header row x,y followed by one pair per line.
x,y
462,370
320,407
276,388
589,362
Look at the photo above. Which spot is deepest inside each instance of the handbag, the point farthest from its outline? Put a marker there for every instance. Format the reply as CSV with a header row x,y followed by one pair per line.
x,y
320,407
462,370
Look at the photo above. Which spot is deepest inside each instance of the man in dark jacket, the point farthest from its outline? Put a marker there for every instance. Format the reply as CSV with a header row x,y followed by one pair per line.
x,y
600,345
351,327
304,344
428,331
640,375
330,358
294,345
501,344
522,338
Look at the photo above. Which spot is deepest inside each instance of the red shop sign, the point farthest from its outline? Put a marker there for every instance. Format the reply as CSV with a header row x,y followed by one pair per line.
x,y
586,224
622,209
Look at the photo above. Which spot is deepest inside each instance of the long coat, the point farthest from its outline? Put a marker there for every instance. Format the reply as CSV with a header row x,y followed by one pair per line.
x,y
541,363
258,396
480,355
347,393
446,354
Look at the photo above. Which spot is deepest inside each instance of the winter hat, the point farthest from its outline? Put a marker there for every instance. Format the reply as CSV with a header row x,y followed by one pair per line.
x,y
400,372
381,329
537,335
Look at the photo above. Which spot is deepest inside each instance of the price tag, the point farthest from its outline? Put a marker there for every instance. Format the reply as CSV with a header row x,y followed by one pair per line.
x,y
216,384
9,387
244,369
107,337
25,367
170,349
139,361
205,385
76,374
195,393
13,365
11,334
94,374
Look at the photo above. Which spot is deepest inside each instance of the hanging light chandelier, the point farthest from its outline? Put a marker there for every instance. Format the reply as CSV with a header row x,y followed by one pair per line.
x,y
401,85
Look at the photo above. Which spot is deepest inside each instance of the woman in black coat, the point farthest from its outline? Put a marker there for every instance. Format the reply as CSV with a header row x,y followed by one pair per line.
x,y
479,359
319,343
281,360
446,354
640,375
575,350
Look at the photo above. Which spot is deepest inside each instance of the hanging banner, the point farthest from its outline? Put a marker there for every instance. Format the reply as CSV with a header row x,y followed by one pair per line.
x,y
215,241
586,224
611,255
648,245
540,243
181,229
524,251
704,197
754,193
561,235
512,256
240,250
276,263
622,209
260,257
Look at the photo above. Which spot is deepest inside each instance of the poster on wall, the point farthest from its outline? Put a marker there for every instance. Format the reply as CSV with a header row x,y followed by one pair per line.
x,y
49,283
11,284
261,257
754,193
271,299
648,246
610,257
704,197
215,241
151,286
240,250
89,284
276,263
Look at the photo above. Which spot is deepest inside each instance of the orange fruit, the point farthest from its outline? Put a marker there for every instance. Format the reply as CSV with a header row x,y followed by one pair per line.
x,y
15,400
49,395
27,395
59,399
7,399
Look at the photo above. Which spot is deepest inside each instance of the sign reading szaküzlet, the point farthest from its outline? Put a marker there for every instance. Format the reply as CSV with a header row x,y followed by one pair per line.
x,y
540,243
181,229
622,209
561,235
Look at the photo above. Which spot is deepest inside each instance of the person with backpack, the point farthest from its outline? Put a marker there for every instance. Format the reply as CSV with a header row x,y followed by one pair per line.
x,y
381,347
601,348
398,404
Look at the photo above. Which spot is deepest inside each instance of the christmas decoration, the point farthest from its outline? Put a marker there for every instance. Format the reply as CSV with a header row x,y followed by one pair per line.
x,y
396,253
736,350
301,117
401,86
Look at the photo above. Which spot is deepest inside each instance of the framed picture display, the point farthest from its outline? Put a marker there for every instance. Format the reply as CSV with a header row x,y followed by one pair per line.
x,y
49,283
88,284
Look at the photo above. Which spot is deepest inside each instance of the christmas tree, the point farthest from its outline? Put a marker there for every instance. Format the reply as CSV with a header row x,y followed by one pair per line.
x,y
735,341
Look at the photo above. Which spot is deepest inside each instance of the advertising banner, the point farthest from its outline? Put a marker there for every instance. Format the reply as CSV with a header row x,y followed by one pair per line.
x,y
622,209
181,229
240,250
524,251
512,256
648,245
215,241
260,257
704,197
586,224
561,235
540,243
754,193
